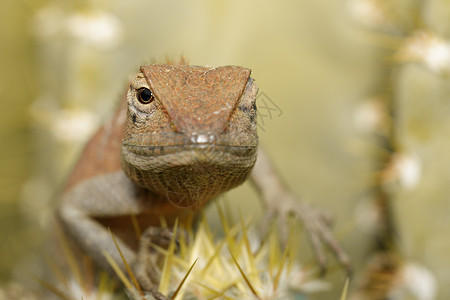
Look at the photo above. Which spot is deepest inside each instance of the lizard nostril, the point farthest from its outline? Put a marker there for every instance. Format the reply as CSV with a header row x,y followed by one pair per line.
x,y
202,138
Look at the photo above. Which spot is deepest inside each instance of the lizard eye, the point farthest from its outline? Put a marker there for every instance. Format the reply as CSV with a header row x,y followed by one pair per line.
x,y
145,96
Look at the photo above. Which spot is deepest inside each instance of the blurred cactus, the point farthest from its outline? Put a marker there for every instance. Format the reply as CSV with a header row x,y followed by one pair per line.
x,y
388,274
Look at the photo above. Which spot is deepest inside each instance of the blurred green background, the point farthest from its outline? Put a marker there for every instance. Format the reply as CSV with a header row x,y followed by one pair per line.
x,y
64,65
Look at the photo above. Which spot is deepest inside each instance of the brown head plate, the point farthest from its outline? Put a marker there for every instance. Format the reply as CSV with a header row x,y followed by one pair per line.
x,y
197,98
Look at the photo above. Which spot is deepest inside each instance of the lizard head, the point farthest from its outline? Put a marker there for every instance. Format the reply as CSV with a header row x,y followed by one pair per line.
x,y
190,132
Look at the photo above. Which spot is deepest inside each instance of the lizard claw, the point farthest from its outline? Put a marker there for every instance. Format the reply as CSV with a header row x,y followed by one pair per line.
x,y
317,225
318,228
152,294
148,259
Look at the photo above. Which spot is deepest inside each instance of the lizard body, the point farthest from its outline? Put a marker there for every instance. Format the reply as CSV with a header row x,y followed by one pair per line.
x,y
181,136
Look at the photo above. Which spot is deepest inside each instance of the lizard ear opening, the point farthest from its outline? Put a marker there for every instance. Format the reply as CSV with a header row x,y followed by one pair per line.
x,y
145,96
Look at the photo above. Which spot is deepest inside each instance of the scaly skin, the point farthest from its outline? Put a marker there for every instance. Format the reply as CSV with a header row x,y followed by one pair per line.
x,y
182,135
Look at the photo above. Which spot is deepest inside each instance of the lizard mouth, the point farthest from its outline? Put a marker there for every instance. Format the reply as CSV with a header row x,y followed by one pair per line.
x,y
205,148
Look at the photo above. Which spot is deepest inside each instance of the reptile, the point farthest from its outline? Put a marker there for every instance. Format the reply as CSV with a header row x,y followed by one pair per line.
x,y
181,136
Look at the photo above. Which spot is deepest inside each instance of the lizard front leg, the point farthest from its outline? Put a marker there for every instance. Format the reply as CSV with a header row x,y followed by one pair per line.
x,y
109,195
281,202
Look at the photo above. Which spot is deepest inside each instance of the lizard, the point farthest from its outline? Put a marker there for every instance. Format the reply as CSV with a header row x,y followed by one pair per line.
x,y
181,136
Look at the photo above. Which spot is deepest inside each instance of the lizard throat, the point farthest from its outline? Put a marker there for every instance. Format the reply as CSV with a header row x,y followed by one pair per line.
x,y
188,175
